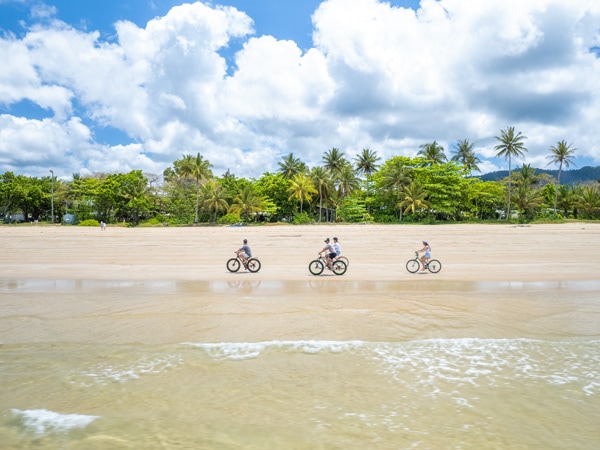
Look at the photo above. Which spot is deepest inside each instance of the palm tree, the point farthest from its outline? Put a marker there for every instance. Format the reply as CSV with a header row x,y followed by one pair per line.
x,y
433,153
197,168
413,198
567,199
511,145
348,181
334,201
395,176
464,154
526,176
301,188
526,198
290,166
562,154
214,198
589,200
247,202
366,164
334,161
322,181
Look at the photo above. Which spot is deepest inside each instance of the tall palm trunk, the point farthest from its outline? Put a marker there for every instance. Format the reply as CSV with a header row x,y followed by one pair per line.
x,y
556,188
509,190
320,203
197,203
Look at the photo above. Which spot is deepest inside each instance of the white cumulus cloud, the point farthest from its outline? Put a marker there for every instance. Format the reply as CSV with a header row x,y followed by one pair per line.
x,y
378,76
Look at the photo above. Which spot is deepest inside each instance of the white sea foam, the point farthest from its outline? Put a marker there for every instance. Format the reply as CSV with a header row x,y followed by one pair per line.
x,y
245,350
42,422
592,388
107,371
492,362
436,362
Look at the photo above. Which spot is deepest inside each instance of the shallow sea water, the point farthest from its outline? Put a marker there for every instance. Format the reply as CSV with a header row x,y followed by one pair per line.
x,y
443,385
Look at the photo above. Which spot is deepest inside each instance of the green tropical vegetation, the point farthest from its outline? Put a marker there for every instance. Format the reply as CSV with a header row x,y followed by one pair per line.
x,y
428,188
563,155
511,145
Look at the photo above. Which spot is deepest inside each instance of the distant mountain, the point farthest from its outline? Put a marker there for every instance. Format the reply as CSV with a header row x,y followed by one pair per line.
x,y
574,176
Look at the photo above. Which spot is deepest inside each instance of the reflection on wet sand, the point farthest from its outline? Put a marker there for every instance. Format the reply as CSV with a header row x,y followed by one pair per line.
x,y
296,287
245,310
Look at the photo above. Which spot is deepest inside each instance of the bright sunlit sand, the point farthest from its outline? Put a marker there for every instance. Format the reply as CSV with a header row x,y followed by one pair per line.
x,y
163,282
553,252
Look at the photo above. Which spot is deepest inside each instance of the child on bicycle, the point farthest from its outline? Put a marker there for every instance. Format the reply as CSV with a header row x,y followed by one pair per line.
x,y
426,250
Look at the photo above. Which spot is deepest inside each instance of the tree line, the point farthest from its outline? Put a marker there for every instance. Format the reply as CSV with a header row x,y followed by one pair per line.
x,y
426,188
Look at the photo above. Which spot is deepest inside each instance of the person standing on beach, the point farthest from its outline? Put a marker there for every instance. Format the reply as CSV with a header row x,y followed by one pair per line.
x,y
426,250
244,252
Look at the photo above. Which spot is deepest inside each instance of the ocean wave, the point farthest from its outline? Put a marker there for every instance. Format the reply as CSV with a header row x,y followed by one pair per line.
x,y
245,350
41,422
430,363
492,362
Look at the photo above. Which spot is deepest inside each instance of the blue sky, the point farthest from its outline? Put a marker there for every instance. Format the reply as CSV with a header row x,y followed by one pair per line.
x,y
283,19
119,85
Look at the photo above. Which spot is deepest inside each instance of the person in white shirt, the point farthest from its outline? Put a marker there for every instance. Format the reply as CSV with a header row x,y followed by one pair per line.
x,y
337,247
329,251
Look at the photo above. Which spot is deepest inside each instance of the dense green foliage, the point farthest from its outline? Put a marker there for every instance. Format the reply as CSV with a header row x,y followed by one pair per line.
x,y
89,223
428,188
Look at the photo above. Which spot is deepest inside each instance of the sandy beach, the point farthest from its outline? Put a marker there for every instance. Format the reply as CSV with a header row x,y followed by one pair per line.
x,y
166,284
553,252
141,338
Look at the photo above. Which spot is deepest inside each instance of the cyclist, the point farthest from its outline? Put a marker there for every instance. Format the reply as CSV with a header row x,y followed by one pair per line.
x,y
244,252
329,251
337,247
426,250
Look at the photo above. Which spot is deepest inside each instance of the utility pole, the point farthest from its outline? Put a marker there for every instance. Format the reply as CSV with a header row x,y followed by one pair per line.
x,y
52,172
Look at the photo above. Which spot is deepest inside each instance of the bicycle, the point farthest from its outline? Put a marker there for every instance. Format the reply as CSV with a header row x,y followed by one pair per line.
x,y
343,258
413,265
317,266
252,264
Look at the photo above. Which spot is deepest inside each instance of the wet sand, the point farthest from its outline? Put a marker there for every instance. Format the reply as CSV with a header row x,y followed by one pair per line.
x,y
169,285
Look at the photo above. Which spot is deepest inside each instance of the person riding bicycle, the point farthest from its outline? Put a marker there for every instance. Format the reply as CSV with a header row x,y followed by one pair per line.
x,y
329,251
426,250
337,247
244,252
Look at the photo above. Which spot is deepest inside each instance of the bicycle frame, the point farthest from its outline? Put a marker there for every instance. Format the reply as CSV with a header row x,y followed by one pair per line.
x,y
252,264
414,265
317,266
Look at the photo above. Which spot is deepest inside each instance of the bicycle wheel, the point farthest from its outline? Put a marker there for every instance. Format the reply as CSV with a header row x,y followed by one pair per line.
x,y
253,265
413,265
434,266
233,265
316,267
346,261
339,267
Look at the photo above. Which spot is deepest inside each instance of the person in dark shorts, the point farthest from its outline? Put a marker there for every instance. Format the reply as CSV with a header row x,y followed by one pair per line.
x,y
329,251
